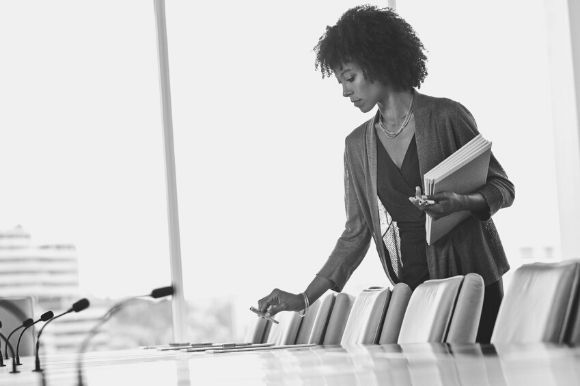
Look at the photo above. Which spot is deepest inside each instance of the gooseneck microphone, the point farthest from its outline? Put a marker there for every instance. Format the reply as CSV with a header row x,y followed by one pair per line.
x,y
27,323
78,306
43,318
14,368
155,294
162,292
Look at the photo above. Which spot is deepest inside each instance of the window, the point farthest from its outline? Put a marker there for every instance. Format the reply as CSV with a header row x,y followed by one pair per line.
x,y
259,141
501,74
82,192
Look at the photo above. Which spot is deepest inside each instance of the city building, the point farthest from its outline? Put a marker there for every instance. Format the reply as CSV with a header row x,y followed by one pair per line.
x,y
49,274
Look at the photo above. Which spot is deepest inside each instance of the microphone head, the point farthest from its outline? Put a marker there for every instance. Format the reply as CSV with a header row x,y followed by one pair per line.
x,y
162,292
47,316
28,322
80,305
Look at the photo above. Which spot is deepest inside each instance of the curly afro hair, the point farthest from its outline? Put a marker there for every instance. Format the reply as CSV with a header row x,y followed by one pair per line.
x,y
379,41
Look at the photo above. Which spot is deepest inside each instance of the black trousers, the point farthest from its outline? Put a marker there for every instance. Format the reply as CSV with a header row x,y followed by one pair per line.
x,y
491,302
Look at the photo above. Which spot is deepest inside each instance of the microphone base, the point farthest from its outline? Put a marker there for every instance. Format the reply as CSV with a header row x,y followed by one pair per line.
x,y
2,365
37,370
14,372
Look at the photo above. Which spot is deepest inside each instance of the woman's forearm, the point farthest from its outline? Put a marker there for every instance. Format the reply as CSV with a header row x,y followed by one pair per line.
x,y
317,287
474,202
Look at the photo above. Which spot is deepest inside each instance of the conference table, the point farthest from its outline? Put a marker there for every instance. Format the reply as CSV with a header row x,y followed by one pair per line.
x,y
365,365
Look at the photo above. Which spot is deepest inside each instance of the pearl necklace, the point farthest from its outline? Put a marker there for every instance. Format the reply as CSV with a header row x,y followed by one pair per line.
x,y
408,116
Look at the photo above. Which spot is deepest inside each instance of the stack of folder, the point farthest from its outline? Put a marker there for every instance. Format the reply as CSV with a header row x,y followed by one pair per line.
x,y
462,172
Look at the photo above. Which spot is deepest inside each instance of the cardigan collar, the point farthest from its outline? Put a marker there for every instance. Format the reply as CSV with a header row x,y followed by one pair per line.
x,y
371,152
420,130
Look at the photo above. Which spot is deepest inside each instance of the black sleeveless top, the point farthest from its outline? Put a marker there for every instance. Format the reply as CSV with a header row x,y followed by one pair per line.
x,y
394,187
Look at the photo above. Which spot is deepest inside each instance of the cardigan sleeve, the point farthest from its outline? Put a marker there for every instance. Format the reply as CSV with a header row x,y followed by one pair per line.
x,y
354,241
498,191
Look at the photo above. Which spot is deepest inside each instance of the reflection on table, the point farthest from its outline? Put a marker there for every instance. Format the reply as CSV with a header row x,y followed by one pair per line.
x,y
365,365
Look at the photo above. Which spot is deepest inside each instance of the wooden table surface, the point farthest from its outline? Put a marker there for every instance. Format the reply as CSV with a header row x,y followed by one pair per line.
x,y
417,364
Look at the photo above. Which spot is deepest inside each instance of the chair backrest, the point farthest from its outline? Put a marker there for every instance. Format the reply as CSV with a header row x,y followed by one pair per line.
x,y
400,296
13,311
286,331
366,317
573,328
574,337
258,330
467,312
315,321
338,317
429,311
538,304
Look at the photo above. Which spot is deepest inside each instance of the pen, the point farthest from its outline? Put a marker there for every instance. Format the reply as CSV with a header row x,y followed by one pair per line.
x,y
421,201
234,345
263,315
429,202
225,346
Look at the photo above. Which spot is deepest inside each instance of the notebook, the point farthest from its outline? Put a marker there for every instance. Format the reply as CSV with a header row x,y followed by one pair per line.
x,y
462,172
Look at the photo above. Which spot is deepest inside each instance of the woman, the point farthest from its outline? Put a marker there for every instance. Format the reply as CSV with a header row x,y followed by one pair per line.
x,y
377,58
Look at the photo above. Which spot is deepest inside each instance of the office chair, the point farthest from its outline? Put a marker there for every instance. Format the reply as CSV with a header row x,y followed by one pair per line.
x,y
338,318
286,331
315,321
400,296
366,317
258,331
538,304
430,311
467,312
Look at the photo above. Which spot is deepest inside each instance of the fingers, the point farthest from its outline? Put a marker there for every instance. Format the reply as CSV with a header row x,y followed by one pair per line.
x,y
435,215
417,203
263,304
279,300
439,196
421,202
268,301
275,302
274,309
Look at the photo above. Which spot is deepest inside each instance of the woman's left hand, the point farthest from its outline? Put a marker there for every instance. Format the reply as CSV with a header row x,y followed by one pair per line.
x,y
444,203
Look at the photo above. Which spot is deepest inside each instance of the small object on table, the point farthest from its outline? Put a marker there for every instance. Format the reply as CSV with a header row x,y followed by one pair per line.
x,y
263,315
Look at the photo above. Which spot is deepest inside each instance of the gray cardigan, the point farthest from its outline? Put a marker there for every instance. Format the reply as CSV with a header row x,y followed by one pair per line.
x,y
442,126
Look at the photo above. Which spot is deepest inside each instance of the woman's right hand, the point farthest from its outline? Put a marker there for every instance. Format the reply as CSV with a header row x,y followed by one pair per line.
x,y
279,300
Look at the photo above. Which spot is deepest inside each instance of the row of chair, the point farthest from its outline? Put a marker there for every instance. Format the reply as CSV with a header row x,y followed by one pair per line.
x,y
435,312
541,305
